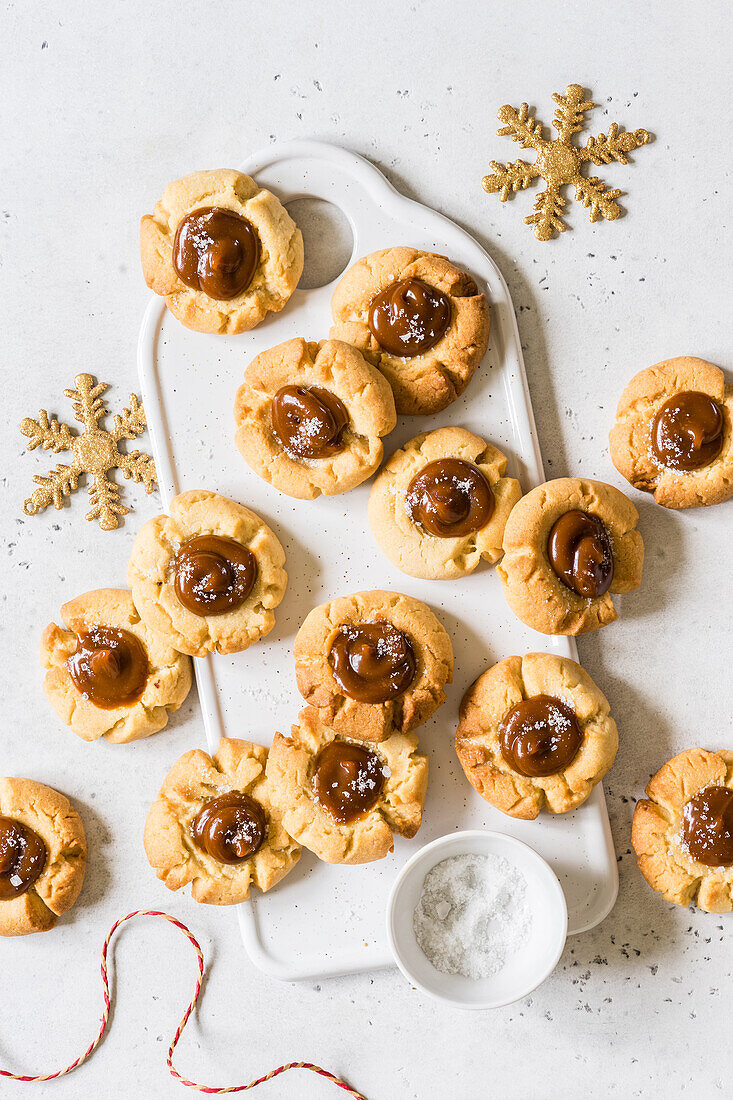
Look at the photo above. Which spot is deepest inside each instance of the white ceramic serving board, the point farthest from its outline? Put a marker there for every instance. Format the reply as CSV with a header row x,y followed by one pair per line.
x,y
323,920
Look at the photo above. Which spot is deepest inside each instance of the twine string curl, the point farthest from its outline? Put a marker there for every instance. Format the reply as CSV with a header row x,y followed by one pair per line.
x,y
208,1089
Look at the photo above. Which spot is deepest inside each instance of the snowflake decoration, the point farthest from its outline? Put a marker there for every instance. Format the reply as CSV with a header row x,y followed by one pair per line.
x,y
95,452
559,162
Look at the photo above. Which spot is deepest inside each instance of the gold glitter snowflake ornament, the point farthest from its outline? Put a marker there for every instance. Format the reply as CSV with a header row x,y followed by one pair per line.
x,y
95,452
559,162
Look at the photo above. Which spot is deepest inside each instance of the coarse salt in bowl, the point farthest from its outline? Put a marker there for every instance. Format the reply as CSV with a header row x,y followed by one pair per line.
x,y
525,965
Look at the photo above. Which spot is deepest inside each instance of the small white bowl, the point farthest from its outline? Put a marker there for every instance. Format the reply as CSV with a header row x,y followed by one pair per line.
x,y
524,971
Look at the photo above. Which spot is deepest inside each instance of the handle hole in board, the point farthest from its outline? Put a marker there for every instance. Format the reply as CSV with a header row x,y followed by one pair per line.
x,y
328,240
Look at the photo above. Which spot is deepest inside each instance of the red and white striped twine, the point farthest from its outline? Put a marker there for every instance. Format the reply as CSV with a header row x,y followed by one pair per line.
x,y
179,1030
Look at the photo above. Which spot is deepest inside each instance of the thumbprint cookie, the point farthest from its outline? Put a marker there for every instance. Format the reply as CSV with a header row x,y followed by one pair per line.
x,y
208,576
683,830
343,799
43,855
569,544
440,504
535,733
222,251
214,825
419,319
373,664
672,435
310,417
109,674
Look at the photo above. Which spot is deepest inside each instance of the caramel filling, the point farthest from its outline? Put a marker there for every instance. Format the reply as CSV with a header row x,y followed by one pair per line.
x,y
409,317
540,736
347,780
687,431
23,856
372,662
230,828
309,421
216,251
450,498
109,667
214,574
581,554
707,827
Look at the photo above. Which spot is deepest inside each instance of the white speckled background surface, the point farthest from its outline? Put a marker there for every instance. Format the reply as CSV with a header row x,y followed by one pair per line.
x,y
100,108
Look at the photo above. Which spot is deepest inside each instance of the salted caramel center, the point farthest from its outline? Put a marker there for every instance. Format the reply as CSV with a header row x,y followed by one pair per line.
x,y
23,856
216,251
347,780
540,736
372,662
687,431
707,827
230,828
214,574
450,498
109,667
409,317
581,553
309,421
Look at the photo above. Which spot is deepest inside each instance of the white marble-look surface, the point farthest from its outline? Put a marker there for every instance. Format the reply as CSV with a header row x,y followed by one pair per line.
x,y
101,106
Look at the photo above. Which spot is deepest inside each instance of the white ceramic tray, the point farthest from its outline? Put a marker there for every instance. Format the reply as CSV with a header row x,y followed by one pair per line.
x,y
324,920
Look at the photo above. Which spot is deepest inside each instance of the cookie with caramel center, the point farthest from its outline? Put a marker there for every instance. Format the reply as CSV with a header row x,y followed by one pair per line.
x,y
570,545
342,799
109,674
535,733
417,317
43,856
215,825
221,250
310,417
682,831
673,433
373,663
208,576
439,505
